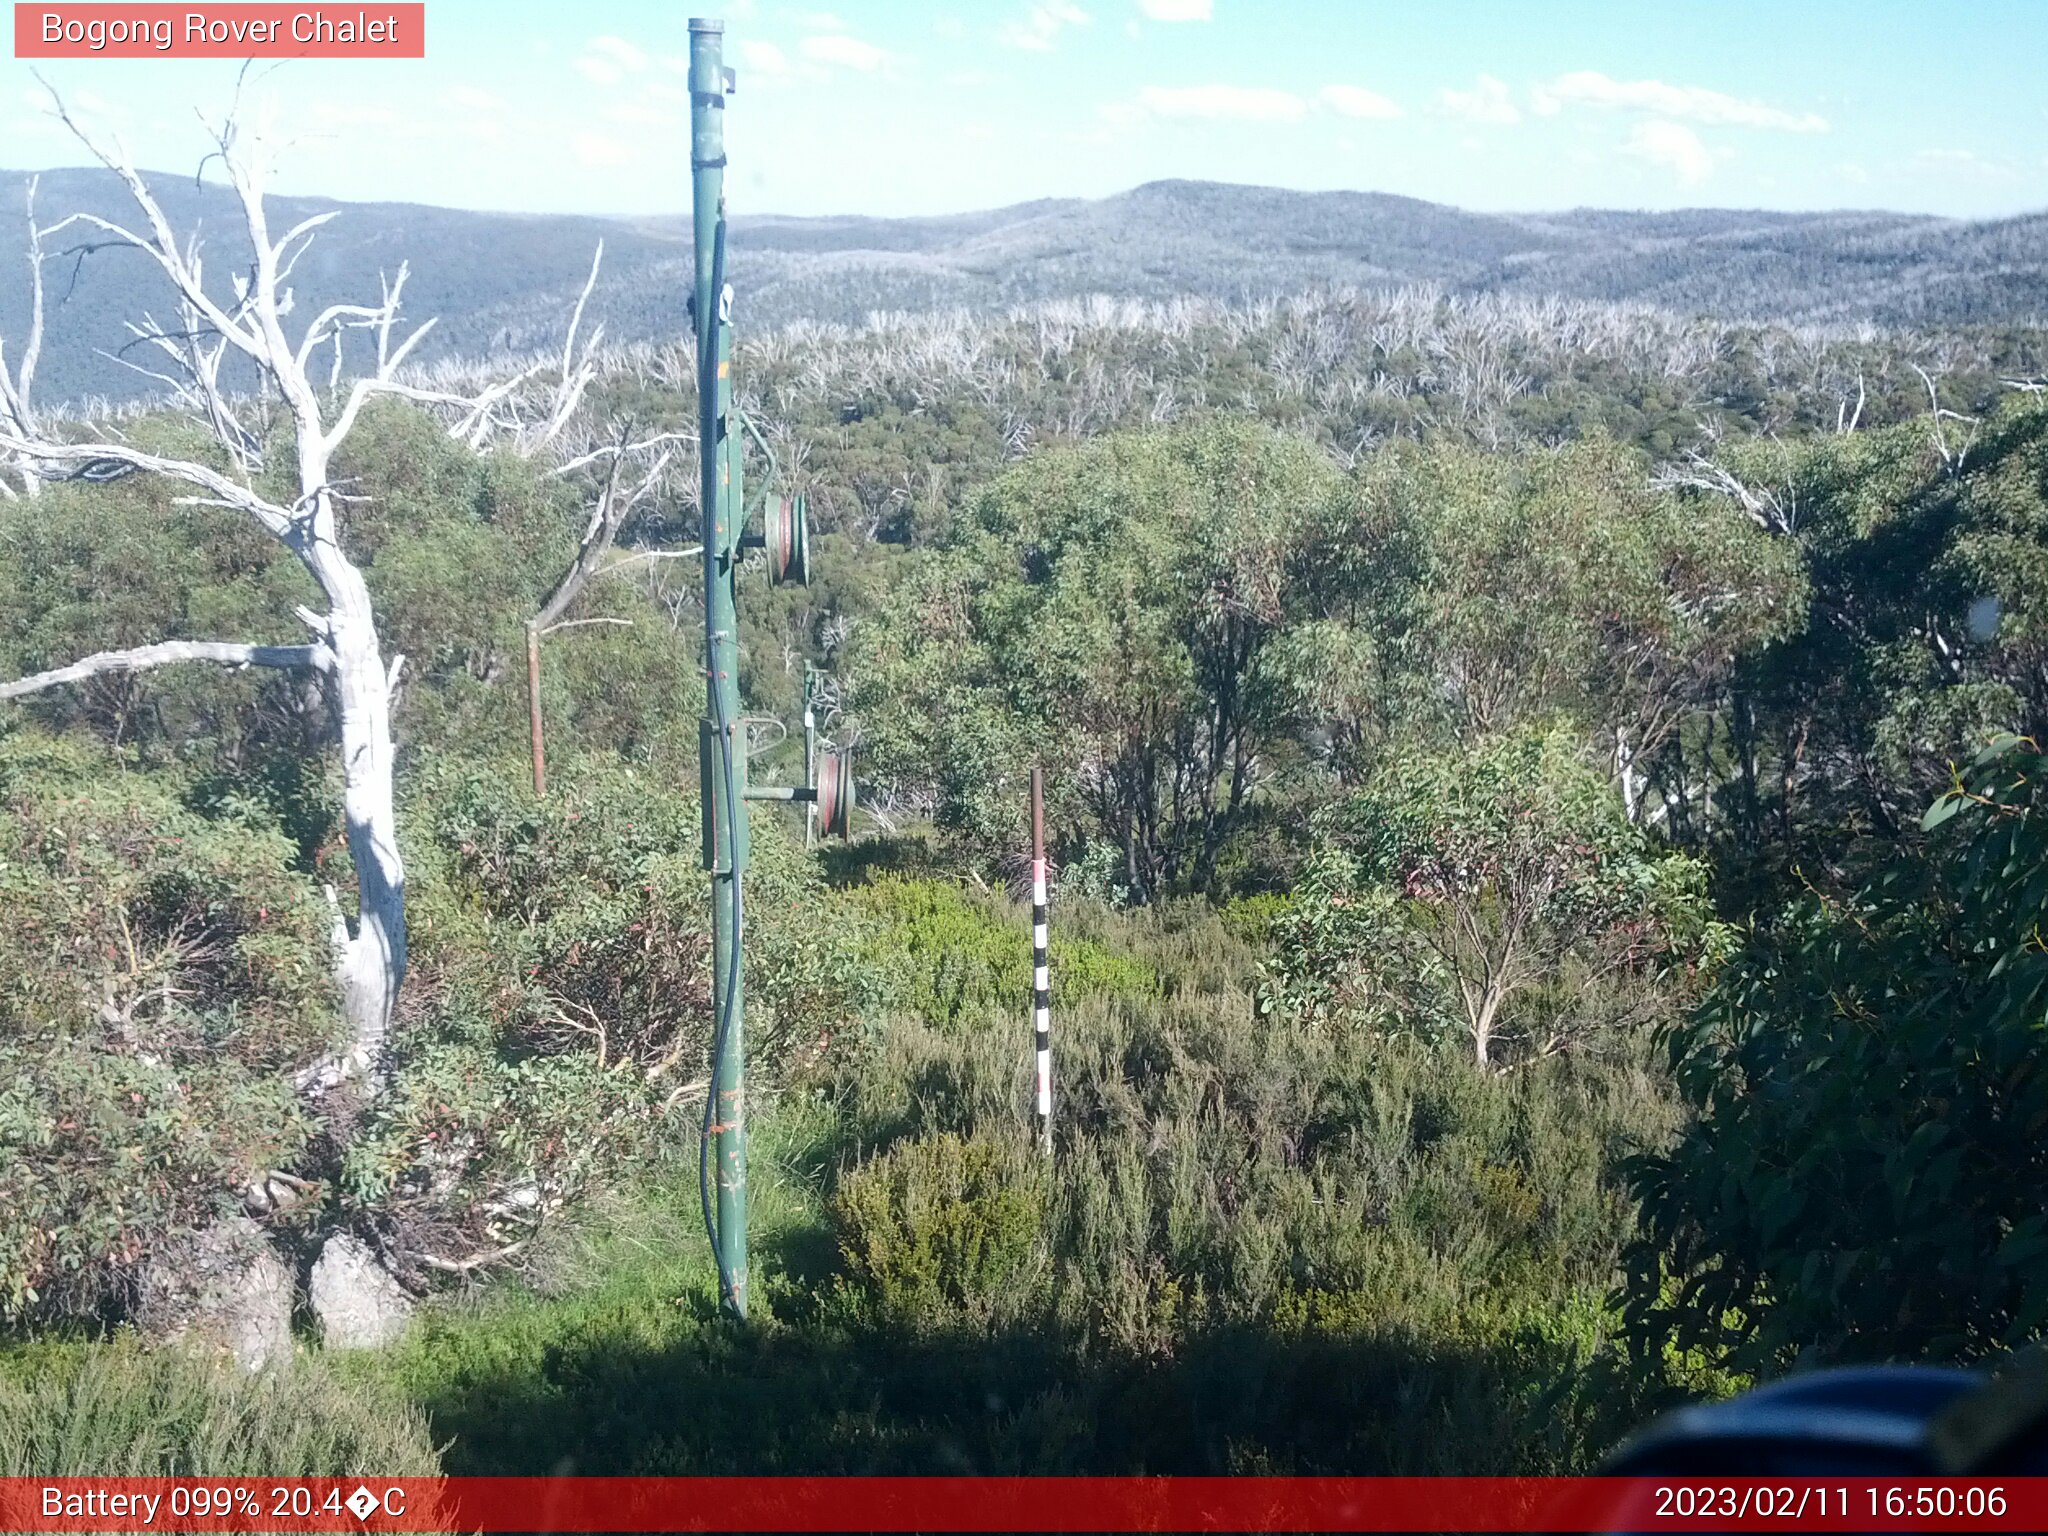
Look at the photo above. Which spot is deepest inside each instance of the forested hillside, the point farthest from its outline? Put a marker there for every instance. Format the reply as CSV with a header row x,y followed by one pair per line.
x,y
499,283
1542,791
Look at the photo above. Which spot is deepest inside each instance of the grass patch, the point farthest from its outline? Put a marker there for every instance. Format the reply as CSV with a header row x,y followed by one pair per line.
x,y
115,1409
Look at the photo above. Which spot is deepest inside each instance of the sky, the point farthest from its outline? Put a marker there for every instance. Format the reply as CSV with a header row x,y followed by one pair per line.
x,y
898,107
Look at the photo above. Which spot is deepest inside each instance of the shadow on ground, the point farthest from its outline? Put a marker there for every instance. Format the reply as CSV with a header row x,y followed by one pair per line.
x,y
774,1398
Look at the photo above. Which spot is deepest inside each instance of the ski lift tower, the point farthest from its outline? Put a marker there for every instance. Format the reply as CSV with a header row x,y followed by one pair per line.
x,y
721,737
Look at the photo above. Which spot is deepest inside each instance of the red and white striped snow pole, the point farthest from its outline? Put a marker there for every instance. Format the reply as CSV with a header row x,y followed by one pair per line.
x,y
1041,973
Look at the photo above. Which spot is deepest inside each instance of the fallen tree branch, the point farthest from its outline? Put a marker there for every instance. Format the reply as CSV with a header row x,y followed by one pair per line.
x,y
473,1263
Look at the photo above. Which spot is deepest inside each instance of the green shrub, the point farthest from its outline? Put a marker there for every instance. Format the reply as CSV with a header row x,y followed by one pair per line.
x,y
1864,1177
1457,888
1212,1158
160,974
953,954
940,1221
557,1025
1253,920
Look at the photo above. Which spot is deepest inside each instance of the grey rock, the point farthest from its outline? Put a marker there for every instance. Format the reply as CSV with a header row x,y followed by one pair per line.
x,y
223,1287
358,1304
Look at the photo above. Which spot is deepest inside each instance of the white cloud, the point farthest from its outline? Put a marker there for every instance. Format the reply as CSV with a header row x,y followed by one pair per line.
x,y
607,60
1357,101
1041,26
1672,145
1695,103
470,98
764,58
1174,10
594,149
628,56
643,114
1487,102
846,52
1246,103
1962,164
358,116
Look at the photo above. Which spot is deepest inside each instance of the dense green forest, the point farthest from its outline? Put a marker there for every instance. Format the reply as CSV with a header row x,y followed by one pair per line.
x,y
1545,924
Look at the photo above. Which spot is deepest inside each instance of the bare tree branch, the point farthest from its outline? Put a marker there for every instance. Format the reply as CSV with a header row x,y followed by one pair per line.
x,y
607,515
91,459
166,653
1766,507
1951,459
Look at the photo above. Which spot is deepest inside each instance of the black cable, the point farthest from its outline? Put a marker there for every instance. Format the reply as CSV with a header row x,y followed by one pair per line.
x,y
721,1035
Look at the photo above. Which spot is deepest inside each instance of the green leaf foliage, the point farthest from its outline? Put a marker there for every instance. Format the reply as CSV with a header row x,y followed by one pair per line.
x,y
1110,605
1500,890
940,1222
161,972
952,955
1863,1179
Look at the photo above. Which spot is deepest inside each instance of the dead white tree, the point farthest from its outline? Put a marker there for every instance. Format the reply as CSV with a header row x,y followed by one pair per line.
x,y
1953,455
17,411
1775,510
618,496
249,323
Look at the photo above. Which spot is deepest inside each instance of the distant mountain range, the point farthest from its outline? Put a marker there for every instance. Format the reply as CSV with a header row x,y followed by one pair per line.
x,y
504,282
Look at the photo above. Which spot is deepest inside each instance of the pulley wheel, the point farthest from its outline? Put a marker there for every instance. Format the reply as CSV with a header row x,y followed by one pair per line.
x,y
835,795
785,535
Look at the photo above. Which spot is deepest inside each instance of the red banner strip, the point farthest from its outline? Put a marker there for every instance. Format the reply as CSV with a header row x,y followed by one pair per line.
x,y
72,31
1051,1504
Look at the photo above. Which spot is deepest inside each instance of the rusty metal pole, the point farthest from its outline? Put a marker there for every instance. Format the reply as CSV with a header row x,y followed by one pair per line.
x,y
1041,969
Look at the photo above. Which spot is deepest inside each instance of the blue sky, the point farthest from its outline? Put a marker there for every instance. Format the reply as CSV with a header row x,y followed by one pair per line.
x,y
895,107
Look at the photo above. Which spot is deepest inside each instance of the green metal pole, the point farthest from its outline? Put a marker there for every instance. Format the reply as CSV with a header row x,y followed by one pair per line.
x,y
720,744
810,753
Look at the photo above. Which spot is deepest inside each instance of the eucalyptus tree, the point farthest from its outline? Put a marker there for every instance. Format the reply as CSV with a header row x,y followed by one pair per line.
x,y
1560,580
1511,866
1109,610
1920,633
1861,1177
